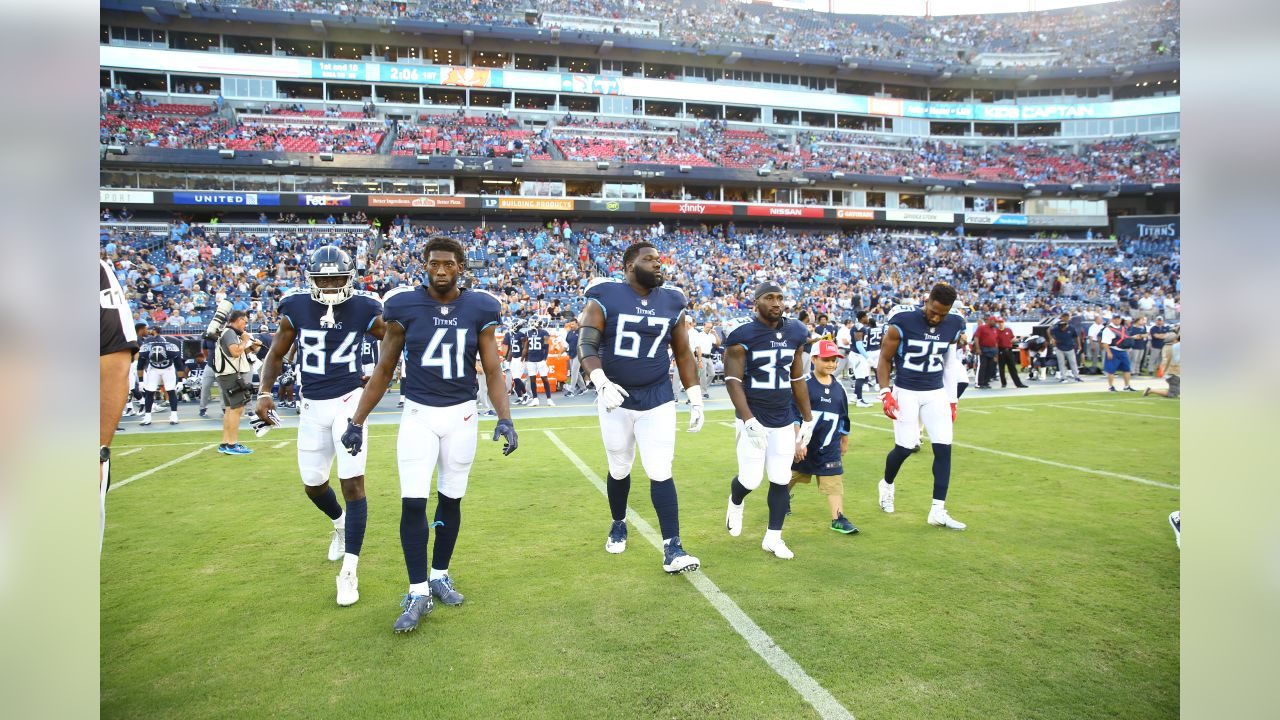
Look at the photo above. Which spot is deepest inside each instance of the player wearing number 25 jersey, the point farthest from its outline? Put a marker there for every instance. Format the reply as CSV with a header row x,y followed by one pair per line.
x,y
627,328
441,329
327,324
919,343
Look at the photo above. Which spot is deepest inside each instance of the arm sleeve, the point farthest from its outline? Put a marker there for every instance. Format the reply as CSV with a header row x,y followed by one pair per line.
x,y
950,377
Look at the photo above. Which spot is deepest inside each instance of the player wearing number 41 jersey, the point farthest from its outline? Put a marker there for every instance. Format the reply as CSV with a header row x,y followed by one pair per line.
x,y
919,342
327,324
627,328
440,328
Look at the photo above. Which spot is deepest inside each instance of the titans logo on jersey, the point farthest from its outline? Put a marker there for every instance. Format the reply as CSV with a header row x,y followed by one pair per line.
x,y
922,348
539,340
328,357
634,350
767,377
369,350
441,341
831,416
873,337
159,353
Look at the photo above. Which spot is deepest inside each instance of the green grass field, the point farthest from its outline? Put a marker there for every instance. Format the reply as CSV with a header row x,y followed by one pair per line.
x,y
1059,601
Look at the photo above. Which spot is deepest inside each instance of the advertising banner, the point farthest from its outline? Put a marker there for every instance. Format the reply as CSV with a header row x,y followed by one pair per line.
x,y
519,203
691,208
785,211
1149,227
928,216
225,198
132,197
417,201
856,214
609,206
324,200
978,218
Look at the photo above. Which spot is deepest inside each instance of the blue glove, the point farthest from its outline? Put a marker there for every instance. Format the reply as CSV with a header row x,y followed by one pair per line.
x,y
507,432
353,437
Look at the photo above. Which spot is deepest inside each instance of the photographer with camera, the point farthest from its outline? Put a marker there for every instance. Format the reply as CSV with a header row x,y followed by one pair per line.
x,y
234,373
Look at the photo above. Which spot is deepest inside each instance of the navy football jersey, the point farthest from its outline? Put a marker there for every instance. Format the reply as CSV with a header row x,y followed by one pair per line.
x,y
327,364
635,347
515,343
767,377
874,336
158,352
826,330
922,348
441,342
539,342
369,350
830,408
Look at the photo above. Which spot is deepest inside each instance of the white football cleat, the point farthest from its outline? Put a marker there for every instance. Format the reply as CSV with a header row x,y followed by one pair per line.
x,y
146,419
862,404
173,417
534,403
338,545
348,588
551,403
733,519
778,548
939,517
886,496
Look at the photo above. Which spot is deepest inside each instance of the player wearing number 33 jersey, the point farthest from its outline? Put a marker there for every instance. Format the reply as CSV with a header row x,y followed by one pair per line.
x,y
919,343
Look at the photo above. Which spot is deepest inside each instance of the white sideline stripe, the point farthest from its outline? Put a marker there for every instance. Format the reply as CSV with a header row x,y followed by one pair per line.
x,y
1104,473
117,485
1117,412
1015,407
280,444
971,410
759,641
129,452
729,425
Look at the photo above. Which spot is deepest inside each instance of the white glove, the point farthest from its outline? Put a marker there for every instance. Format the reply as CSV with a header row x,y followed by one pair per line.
x,y
756,434
611,394
806,433
696,416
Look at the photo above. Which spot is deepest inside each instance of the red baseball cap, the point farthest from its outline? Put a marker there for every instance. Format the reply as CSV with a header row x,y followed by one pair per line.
x,y
827,349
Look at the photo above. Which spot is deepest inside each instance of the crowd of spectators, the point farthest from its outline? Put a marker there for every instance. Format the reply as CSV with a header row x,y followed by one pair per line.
x,y
488,135
1131,31
175,280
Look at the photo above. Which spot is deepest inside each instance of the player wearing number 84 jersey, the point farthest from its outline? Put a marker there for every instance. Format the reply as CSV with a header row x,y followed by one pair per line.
x,y
919,343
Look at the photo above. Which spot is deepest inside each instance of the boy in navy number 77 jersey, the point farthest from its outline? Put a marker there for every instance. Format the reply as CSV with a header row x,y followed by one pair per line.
x,y
823,455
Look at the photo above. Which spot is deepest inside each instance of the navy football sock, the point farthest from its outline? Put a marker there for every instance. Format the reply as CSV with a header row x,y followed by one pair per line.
x,y
149,398
546,386
328,503
357,518
893,462
519,386
667,506
447,523
857,388
941,470
618,490
779,499
413,537
173,400
737,492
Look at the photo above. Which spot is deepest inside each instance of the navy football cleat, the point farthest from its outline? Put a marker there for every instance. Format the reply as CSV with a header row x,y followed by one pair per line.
x,y
617,541
675,559
443,590
415,606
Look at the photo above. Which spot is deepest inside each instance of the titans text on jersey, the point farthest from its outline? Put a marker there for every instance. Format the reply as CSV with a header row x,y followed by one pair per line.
x,y
636,339
767,376
328,356
441,342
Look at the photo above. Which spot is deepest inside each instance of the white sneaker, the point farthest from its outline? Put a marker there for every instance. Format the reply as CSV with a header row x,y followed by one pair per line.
x,y
733,519
338,545
862,403
886,496
146,419
551,403
173,417
939,517
778,548
534,403
348,588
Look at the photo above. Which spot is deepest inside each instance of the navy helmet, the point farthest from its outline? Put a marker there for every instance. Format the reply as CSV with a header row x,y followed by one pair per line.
x,y
330,261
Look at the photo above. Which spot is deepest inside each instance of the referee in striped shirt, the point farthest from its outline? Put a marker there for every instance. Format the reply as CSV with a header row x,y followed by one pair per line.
x,y
118,344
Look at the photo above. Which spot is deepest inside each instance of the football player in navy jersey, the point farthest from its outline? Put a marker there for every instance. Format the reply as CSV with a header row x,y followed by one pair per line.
x,y
368,354
830,440
517,343
537,343
627,328
326,323
441,329
918,347
158,361
764,372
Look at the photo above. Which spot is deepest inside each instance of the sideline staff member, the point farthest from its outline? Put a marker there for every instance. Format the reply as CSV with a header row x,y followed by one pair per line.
x,y
235,378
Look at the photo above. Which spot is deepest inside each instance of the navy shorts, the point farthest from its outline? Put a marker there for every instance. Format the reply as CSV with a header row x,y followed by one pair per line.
x,y
1119,362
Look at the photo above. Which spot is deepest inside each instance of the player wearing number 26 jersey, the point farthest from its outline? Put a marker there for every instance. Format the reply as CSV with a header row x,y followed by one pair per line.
x,y
326,323
919,343
627,329
441,329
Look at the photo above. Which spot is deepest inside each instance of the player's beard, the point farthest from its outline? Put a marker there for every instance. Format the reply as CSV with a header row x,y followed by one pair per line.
x,y
648,279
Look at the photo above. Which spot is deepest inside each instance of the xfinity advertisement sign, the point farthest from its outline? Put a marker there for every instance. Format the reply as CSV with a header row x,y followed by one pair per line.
x,y
1149,227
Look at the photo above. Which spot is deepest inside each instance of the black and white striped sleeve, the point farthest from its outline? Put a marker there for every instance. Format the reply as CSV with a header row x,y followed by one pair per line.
x,y
116,321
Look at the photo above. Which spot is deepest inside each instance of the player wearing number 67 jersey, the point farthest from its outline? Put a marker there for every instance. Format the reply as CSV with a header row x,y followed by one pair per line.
x,y
627,328
327,323
764,372
919,342
440,328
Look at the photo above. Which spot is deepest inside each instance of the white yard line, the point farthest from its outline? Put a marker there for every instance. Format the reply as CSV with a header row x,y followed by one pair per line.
x,y
972,410
1015,407
280,444
117,485
1117,412
126,453
1042,461
759,641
